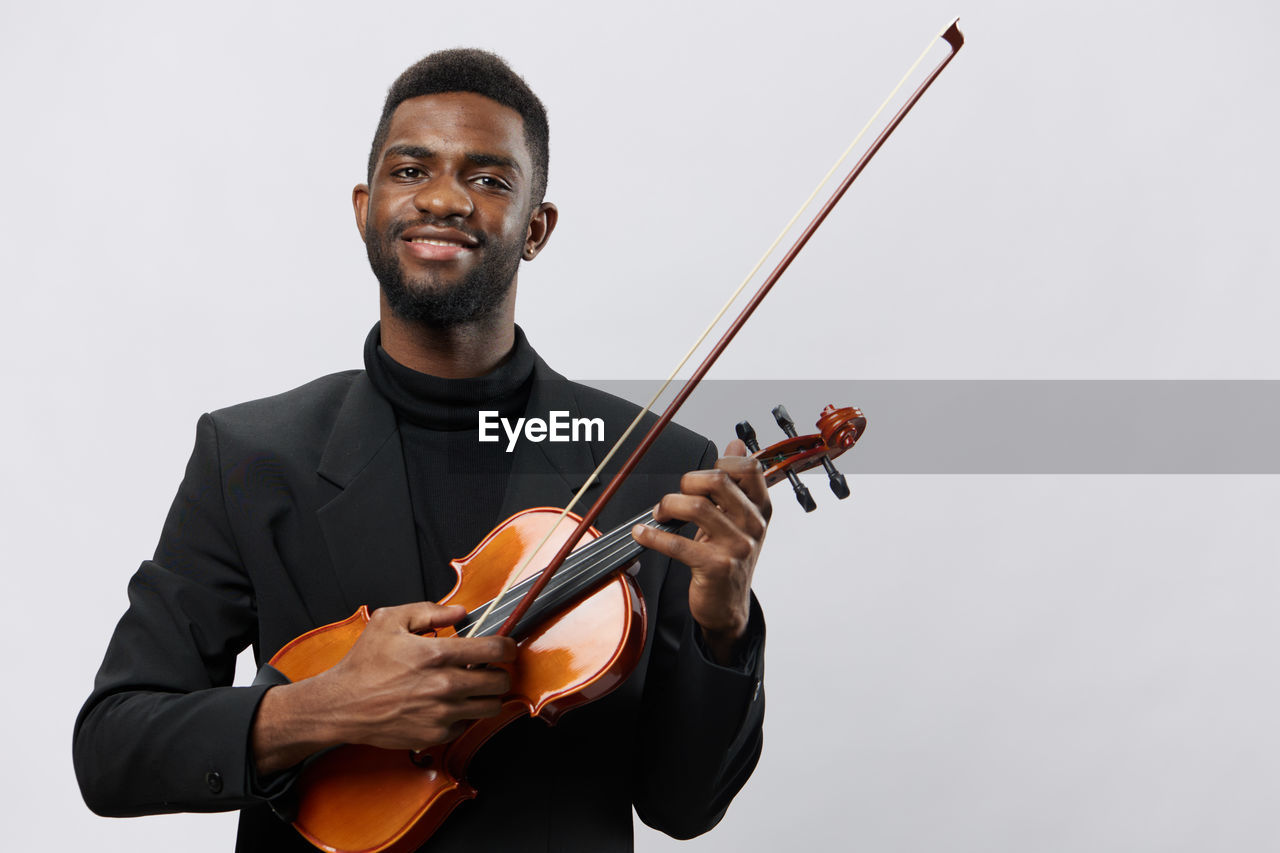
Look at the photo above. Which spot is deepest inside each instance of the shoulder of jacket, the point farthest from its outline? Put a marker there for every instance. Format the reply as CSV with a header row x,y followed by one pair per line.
x,y
305,409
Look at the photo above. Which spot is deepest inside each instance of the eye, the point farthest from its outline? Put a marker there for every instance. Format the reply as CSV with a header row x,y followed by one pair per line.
x,y
407,172
492,183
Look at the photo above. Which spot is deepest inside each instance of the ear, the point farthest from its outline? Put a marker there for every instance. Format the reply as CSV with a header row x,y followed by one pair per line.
x,y
360,202
542,223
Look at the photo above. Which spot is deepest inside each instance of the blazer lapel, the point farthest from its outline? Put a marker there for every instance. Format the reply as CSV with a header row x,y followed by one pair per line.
x,y
368,527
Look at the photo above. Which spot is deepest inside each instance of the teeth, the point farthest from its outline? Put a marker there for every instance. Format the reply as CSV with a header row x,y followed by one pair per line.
x,y
431,242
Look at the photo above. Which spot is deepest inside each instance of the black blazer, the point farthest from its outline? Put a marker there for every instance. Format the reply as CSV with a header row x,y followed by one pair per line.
x,y
293,512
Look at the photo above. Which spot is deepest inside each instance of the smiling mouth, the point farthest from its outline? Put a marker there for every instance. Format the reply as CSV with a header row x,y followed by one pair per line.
x,y
431,250
432,242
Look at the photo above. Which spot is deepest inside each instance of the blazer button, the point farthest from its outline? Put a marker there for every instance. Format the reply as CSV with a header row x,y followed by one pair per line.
x,y
214,780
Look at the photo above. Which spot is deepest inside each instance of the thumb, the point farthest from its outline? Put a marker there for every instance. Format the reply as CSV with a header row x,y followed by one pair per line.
x,y
421,617
735,448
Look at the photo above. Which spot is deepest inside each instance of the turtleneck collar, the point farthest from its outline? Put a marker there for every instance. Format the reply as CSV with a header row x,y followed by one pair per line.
x,y
451,404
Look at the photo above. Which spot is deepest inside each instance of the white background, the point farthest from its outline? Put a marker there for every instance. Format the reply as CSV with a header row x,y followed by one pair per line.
x,y
955,663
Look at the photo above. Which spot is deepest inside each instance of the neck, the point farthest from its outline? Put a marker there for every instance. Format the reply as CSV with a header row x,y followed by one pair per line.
x,y
457,352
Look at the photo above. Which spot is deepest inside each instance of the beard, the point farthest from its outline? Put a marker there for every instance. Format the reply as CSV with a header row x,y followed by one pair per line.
x,y
475,296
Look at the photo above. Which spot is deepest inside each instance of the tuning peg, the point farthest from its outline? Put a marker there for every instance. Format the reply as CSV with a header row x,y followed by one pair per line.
x,y
838,485
784,420
748,436
802,493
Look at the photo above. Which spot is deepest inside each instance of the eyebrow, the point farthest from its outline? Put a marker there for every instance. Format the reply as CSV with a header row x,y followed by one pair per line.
x,y
476,158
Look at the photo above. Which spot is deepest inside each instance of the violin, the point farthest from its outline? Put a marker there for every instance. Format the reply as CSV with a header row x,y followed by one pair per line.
x,y
581,637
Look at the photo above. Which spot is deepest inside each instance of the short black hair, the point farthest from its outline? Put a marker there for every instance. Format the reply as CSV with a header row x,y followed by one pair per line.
x,y
470,70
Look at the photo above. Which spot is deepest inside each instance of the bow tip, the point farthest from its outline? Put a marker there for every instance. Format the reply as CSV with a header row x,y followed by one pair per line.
x,y
953,36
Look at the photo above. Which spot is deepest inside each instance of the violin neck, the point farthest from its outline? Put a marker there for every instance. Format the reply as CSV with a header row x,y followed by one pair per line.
x,y
581,572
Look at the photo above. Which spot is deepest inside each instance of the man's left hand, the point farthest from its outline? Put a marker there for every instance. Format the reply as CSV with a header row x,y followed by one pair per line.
x,y
730,505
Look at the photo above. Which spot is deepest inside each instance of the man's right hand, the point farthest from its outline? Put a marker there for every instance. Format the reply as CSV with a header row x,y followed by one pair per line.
x,y
393,689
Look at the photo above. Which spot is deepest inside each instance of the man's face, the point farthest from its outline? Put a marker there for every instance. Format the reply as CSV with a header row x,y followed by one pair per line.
x,y
447,216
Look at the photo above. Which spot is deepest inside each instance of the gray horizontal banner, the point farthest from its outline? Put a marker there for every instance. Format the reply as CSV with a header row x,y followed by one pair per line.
x,y
1011,426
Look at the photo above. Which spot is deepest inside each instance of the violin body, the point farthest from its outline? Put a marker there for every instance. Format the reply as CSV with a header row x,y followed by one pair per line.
x,y
362,798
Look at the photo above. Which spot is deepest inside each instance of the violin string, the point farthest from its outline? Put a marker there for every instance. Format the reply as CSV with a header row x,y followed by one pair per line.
x,y
583,556
582,575
707,331
598,554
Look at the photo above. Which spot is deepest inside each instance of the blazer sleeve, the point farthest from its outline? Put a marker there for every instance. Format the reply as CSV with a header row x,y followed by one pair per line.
x,y
163,730
701,724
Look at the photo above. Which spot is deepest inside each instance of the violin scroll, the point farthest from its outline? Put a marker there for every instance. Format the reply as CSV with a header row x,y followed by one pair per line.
x,y
841,428
838,431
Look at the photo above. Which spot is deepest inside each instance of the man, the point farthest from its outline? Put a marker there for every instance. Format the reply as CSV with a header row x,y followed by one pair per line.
x,y
358,488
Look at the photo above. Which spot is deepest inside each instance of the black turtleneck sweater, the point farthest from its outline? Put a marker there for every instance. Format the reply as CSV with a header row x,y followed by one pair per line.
x,y
456,482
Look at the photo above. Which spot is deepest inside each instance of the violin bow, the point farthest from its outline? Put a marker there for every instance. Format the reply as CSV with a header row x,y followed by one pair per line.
x,y
955,39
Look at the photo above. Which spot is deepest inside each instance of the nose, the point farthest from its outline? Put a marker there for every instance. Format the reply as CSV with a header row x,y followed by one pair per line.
x,y
444,197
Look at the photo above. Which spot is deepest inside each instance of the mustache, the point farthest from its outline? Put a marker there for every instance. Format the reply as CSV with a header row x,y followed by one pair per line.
x,y
400,226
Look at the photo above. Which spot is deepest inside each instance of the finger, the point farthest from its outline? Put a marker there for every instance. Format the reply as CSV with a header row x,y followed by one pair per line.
x,y
673,545
455,731
700,510
418,617
729,471
720,488
467,651
736,484
748,475
425,616
476,709
481,683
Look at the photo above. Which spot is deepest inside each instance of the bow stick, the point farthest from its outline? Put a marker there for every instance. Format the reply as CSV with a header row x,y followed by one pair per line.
x,y
953,37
